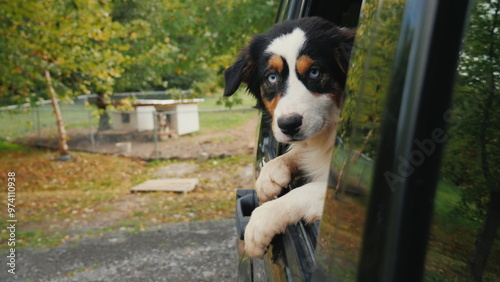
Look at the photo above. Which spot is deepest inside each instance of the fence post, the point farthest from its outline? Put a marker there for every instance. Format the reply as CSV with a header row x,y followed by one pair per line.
x,y
38,129
92,140
155,134
361,180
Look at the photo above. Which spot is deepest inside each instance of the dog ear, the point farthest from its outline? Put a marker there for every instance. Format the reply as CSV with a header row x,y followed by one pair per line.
x,y
343,52
234,75
244,69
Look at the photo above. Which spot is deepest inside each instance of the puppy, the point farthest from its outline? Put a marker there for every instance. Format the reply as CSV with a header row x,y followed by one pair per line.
x,y
297,73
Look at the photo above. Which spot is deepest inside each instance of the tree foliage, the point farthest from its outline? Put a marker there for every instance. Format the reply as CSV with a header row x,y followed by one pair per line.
x,y
474,130
61,48
123,45
473,161
74,46
369,74
185,43
77,41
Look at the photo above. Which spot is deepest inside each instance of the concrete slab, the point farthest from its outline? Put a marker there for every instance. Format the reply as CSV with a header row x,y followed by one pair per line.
x,y
183,185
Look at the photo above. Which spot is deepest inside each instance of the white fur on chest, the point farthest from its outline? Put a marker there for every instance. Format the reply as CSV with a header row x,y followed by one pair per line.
x,y
314,155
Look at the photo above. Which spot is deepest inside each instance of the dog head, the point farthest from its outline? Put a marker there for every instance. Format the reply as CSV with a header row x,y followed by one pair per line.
x,y
297,72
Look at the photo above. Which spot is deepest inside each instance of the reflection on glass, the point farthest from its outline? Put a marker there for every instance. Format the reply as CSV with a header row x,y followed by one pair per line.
x,y
465,242
339,242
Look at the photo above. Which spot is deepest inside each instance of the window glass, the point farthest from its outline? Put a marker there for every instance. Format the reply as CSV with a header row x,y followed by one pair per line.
x,y
464,242
341,230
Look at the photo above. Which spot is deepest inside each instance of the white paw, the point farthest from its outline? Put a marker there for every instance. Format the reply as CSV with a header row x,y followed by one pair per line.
x,y
264,223
274,176
271,218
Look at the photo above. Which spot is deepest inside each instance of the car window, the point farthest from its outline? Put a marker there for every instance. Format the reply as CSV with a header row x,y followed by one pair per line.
x,y
464,238
341,232
393,44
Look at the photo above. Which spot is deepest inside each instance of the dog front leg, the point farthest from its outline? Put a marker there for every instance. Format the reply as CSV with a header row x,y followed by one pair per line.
x,y
274,176
271,218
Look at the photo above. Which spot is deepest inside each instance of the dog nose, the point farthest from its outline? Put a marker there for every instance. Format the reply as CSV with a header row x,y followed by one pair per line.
x,y
290,125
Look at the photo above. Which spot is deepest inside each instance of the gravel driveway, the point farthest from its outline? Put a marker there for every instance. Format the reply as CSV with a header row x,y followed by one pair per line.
x,y
195,251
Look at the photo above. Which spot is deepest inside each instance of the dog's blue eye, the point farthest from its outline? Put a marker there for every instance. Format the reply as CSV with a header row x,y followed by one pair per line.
x,y
314,73
272,78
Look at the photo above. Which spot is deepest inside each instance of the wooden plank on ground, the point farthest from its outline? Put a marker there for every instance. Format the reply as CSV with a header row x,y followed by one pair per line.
x,y
167,184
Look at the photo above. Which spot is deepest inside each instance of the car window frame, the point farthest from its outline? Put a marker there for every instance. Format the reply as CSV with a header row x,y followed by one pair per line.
x,y
403,257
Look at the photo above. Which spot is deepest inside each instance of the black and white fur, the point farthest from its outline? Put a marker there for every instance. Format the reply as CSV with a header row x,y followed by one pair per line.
x,y
297,73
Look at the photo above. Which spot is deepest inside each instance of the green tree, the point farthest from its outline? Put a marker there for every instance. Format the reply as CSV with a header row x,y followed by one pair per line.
x,y
57,49
152,51
183,43
370,74
106,46
474,148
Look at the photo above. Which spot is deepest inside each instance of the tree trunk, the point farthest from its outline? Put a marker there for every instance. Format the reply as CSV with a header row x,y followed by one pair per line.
x,y
63,145
486,237
104,120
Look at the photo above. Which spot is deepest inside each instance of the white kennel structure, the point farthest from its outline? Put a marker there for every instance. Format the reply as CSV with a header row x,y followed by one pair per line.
x,y
177,117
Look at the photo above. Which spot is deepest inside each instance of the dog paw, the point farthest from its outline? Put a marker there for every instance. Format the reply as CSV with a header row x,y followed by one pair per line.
x,y
274,176
271,218
264,223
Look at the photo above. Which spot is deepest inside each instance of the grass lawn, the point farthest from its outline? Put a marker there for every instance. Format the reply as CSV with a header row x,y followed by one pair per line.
x,y
61,201
227,119
452,240
213,102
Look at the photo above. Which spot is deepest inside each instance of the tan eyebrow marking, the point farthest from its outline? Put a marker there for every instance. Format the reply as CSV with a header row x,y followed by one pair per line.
x,y
276,62
272,104
303,64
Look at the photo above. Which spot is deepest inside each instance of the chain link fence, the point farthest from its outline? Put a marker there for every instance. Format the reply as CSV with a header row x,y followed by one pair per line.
x,y
359,166
140,133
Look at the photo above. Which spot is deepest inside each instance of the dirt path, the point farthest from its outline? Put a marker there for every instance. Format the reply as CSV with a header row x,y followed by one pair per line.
x,y
235,141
